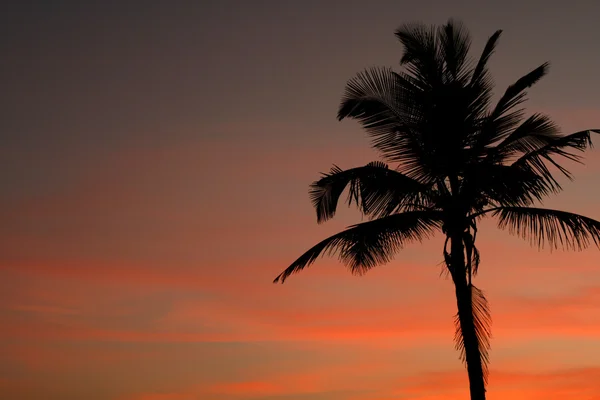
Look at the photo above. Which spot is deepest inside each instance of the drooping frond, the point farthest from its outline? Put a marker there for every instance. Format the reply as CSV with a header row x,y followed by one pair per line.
x,y
473,257
532,134
563,146
375,188
364,246
386,105
501,185
556,228
482,320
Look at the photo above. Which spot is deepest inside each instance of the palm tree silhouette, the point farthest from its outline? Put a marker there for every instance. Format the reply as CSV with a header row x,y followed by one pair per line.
x,y
457,159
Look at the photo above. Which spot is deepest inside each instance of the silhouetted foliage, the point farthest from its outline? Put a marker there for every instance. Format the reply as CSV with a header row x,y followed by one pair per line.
x,y
456,160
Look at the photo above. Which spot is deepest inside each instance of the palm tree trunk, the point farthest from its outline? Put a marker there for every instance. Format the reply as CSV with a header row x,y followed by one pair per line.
x,y
465,316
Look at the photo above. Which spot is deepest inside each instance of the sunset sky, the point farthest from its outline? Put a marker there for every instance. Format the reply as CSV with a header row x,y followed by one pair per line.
x,y
155,164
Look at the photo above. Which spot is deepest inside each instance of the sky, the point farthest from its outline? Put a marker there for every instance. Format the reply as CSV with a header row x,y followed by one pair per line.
x,y
155,164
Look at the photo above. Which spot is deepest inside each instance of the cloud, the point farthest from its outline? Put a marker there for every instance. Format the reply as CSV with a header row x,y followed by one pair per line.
x,y
360,384
111,262
320,379
161,396
43,309
555,384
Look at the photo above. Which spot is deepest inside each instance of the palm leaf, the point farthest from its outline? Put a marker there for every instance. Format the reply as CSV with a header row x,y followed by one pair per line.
x,y
480,72
421,55
377,190
498,184
535,160
455,42
500,121
387,106
364,246
515,93
482,320
556,228
532,134
482,85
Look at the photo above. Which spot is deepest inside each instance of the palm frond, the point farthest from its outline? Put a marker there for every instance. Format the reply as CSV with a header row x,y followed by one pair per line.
x,y
535,160
515,93
504,185
500,121
386,105
482,84
556,228
364,246
421,56
455,42
480,72
482,320
375,188
535,132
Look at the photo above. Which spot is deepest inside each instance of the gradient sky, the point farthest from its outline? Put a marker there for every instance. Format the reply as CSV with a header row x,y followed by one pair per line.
x,y
155,162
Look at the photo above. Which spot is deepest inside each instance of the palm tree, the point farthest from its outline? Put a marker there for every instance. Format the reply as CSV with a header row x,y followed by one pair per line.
x,y
456,160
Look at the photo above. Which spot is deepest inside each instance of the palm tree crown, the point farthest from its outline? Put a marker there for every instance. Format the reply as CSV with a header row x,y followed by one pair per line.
x,y
456,159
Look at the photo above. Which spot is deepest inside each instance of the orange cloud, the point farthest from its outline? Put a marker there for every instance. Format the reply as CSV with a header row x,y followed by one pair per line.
x,y
320,379
558,384
449,385
161,396
256,388
112,246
